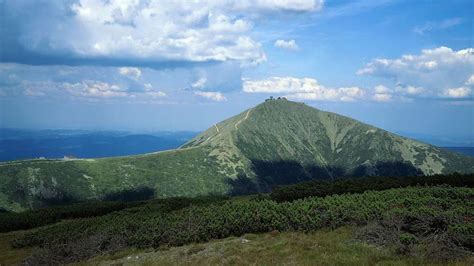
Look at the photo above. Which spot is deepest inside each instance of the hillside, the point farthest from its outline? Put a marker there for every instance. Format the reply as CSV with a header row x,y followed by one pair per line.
x,y
283,136
276,142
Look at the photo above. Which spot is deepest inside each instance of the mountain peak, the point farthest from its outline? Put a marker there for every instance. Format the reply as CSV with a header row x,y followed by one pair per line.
x,y
282,102
279,130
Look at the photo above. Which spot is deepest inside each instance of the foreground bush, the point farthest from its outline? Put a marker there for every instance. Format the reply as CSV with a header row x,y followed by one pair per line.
x,y
358,185
50,215
30,219
145,227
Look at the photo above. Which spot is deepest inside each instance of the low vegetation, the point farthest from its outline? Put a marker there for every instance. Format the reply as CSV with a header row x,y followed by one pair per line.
x,y
328,247
420,221
322,188
10,221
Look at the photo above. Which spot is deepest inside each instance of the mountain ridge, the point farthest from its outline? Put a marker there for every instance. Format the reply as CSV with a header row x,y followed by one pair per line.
x,y
274,143
329,142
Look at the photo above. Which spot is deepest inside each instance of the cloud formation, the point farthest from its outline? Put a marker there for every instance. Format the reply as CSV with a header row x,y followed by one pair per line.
x,y
437,25
131,72
124,84
460,92
302,89
288,45
433,73
116,32
95,89
382,94
200,83
211,95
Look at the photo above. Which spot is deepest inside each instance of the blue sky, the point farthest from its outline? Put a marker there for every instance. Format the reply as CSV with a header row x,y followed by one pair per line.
x,y
405,66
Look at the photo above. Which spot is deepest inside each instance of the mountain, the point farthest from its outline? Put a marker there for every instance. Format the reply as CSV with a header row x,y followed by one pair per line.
x,y
277,142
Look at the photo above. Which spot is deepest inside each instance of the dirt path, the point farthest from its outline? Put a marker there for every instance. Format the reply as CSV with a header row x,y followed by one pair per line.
x,y
236,126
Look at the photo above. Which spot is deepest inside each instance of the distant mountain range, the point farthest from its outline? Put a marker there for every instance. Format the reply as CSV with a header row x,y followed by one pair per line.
x,y
21,144
459,140
469,151
277,142
18,144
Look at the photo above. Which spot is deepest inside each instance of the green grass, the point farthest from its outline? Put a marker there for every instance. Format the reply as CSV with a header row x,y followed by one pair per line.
x,y
10,255
323,247
33,184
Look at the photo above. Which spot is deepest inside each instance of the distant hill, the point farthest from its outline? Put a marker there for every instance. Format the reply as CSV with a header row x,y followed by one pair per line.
x,y
469,151
464,139
277,142
18,144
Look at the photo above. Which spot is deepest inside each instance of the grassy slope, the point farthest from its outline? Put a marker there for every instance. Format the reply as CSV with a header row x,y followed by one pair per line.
x,y
9,255
281,130
272,131
189,172
335,247
331,247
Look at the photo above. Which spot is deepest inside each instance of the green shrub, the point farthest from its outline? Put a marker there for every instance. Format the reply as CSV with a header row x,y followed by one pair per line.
x,y
417,211
358,185
407,239
40,217
50,215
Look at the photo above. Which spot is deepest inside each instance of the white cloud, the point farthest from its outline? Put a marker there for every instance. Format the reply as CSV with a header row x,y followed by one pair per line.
x,y
382,94
200,83
191,31
430,73
268,5
470,81
410,90
460,92
303,89
288,45
32,92
382,97
107,84
211,95
437,25
381,89
148,87
156,94
131,72
149,31
94,89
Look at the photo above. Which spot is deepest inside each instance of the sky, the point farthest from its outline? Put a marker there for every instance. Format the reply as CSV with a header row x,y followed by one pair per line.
x,y
402,65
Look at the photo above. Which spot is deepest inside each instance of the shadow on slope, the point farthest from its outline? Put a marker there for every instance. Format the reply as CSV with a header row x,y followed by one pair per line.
x,y
59,197
270,174
131,194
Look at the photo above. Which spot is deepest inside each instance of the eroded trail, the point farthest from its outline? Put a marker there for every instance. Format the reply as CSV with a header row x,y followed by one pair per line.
x,y
236,126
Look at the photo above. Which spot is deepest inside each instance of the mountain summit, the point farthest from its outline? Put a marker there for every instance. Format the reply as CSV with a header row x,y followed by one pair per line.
x,y
276,142
290,141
